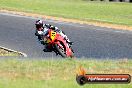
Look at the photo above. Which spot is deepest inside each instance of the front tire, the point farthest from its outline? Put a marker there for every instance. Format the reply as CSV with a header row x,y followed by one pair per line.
x,y
60,50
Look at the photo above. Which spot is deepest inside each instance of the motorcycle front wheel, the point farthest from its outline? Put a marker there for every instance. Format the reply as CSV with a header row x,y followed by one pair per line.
x,y
60,50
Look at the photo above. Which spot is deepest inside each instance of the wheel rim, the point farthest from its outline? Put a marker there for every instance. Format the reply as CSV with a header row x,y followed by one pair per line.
x,y
62,49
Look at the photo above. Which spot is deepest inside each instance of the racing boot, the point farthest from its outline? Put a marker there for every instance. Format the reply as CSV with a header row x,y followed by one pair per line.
x,y
65,37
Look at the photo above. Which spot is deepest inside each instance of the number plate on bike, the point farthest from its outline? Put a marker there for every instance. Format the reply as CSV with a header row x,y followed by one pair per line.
x,y
53,34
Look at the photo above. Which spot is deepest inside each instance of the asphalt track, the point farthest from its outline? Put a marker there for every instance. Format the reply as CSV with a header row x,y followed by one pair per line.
x,y
17,33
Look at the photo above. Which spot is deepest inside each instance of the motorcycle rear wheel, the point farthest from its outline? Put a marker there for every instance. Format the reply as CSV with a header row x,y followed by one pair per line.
x,y
72,55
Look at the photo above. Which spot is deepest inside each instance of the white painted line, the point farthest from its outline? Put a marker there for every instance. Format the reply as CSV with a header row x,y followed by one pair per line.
x,y
10,50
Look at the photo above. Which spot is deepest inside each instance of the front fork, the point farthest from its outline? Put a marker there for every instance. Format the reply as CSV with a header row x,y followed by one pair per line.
x,y
58,43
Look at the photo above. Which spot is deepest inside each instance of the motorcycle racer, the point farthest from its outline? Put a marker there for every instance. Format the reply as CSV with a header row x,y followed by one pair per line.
x,y
42,30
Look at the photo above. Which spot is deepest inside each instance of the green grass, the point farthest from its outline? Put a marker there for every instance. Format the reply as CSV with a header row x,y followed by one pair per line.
x,y
116,13
61,73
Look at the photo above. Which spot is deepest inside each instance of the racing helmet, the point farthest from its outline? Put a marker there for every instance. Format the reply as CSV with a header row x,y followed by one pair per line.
x,y
39,24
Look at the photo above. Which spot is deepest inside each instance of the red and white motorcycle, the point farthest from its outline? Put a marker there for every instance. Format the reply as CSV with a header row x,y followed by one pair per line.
x,y
58,44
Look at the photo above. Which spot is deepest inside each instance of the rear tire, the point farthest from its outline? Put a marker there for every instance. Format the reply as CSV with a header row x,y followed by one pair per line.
x,y
72,55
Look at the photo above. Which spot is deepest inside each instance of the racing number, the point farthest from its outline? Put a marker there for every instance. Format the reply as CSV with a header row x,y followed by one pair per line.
x,y
53,34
